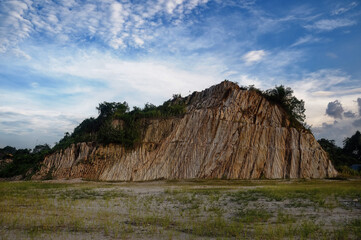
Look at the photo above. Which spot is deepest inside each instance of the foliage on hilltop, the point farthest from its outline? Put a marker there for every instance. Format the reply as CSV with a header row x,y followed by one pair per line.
x,y
283,97
102,130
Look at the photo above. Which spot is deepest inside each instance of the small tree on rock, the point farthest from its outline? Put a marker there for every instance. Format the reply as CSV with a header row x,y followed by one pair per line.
x,y
284,96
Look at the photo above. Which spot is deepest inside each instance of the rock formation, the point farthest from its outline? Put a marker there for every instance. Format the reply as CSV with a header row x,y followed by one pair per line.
x,y
227,132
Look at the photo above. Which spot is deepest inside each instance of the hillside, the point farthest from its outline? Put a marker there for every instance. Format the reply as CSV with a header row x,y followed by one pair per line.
x,y
225,132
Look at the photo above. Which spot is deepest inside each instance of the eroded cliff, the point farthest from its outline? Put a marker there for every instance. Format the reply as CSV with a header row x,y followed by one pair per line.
x,y
227,132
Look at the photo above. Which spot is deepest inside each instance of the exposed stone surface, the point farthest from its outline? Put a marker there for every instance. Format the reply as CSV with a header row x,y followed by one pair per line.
x,y
227,132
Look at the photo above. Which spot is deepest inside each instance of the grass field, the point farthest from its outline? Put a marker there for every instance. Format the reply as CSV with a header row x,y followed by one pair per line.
x,y
200,209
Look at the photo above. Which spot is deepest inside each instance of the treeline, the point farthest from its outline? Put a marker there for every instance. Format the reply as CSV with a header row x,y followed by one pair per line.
x,y
21,162
344,158
103,131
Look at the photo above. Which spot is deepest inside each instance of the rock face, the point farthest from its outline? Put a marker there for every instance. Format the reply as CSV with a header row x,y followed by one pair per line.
x,y
227,132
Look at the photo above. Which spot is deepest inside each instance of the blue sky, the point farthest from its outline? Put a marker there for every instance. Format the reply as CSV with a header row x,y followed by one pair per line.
x,y
60,59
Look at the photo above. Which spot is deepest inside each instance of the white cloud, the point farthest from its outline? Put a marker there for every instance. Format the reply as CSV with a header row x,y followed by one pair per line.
x,y
344,9
331,55
305,40
14,26
138,41
20,53
336,130
253,56
330,24
113,23
117,43
172,4
34,84
277,64
246,80
146,78
337,92
27,128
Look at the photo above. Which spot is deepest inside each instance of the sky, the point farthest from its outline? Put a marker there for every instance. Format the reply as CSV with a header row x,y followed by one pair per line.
x,y
60,59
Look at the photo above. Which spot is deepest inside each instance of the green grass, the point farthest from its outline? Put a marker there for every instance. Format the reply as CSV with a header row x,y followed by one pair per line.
x,y
181,210
253,215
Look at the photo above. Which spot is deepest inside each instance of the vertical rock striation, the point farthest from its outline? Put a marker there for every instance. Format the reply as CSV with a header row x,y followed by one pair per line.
x,y
227,132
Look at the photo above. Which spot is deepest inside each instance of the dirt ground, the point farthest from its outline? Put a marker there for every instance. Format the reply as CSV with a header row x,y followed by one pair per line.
x,y
193,209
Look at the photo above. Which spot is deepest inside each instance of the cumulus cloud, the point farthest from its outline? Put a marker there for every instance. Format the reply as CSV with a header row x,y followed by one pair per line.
x,y
343,127
357,123
334,109
330,24
349,114
253,56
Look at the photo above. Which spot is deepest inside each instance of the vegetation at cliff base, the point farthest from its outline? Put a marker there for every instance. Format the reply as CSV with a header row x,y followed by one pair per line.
x,y
21,162
346,157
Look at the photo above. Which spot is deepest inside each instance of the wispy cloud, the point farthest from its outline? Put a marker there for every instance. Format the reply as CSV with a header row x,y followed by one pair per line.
x,y
306,40
344,9
330,24
337,92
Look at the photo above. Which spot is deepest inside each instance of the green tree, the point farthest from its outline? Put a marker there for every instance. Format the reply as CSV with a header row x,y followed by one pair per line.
x,y
107,109
41,148
352,146
284,96
336,154
25,162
